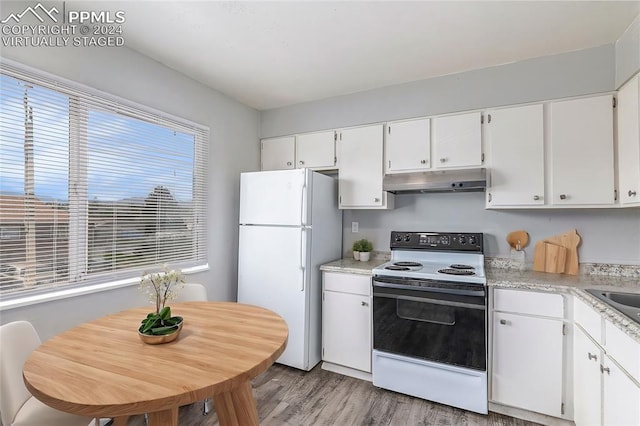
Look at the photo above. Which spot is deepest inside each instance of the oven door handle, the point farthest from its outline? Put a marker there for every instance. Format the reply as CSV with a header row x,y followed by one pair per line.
x,y
432,301
476,293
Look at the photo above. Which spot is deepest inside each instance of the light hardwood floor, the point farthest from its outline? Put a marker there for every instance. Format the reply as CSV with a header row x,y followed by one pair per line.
x,y
287,396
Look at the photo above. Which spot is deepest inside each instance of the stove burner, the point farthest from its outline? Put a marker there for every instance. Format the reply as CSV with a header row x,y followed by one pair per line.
x,y
414,264
397,268
453,271
459,266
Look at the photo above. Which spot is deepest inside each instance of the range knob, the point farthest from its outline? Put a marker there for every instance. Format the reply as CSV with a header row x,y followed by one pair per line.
x,y
407,238
462,240
472,240
398,238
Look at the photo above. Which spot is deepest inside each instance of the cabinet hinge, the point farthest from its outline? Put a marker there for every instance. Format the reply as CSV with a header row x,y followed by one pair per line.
x,y
564,329
489,118
482,157
340,198
481,119
335,136
335,160
614,102
489,194
562,408
389,164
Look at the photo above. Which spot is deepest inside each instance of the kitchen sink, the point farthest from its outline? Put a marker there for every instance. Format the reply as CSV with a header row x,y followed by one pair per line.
x,y
626,303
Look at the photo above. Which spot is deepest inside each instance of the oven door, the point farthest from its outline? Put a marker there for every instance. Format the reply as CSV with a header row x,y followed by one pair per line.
x,y
433,320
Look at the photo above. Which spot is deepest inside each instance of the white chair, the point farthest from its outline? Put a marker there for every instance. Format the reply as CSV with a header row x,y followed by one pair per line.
x,y
192,292
17,406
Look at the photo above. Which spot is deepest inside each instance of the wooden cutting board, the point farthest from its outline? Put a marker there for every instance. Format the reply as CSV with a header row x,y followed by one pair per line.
x,y
558,254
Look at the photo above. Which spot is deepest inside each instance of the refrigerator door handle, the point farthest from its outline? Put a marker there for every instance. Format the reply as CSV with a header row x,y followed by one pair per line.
x,y
303,250
302,200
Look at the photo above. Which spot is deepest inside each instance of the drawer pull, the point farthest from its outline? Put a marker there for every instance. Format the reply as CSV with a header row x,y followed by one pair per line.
x,y
604,369
593,356
503,322
364,304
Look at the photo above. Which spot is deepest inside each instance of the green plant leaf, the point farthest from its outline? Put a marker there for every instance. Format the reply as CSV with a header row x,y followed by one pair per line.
x,y
164,330
165,313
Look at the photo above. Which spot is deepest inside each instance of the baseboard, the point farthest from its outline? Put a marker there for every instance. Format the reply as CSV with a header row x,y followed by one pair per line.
x,y
527,415
351,372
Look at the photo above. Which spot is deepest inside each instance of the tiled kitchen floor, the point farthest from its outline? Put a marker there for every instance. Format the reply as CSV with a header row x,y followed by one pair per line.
x,y
287,396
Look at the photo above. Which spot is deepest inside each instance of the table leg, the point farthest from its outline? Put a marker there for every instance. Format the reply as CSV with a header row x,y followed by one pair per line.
x,y
164,418
237,407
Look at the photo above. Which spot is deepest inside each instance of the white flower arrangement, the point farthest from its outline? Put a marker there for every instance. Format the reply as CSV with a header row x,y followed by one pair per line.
x,y
162,287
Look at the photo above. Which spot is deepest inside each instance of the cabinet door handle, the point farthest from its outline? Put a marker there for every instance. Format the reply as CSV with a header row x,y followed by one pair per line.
x,y
364,303
632,193
536,197
503,322
593,356
288,163
376,200
442,160
301,162
425,162
604,369
563,196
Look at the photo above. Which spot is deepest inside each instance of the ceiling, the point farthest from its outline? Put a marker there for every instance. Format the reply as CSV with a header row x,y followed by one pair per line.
x,y
271,54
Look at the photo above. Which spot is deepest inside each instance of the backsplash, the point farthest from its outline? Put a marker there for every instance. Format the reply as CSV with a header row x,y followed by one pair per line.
x,y
594,269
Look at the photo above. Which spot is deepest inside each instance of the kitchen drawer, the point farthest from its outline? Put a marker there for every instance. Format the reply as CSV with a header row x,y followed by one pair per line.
x,y
622,348
588,319
529,302
347,283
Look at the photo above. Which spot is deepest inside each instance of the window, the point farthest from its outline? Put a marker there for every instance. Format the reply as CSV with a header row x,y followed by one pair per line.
x,y
93,188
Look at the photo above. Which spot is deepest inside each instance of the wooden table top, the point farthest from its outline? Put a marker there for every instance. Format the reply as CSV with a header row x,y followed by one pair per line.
x,y
102,369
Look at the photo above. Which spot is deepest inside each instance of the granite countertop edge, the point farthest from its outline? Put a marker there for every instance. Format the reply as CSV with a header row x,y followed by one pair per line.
x,y
539,281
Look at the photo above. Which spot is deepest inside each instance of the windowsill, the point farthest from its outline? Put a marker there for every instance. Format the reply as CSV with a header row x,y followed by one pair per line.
x,y
79,291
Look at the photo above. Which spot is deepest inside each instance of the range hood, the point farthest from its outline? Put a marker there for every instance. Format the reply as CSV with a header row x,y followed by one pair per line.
x,y
436,181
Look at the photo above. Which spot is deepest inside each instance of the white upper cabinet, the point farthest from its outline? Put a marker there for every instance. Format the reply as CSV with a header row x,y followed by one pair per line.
x,y
581,157
408,146
360,174
457,141
316,150
515,139
278,153
629,142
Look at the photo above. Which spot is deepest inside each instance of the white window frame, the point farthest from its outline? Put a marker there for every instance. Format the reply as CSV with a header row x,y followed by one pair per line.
x,y
84,98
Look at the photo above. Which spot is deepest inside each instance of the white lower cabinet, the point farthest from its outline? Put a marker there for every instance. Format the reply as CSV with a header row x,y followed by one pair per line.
x,y
346,320
605,372
587,390
528,351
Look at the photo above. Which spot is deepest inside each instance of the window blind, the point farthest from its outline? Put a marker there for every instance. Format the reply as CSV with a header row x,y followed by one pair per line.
x,y
93,188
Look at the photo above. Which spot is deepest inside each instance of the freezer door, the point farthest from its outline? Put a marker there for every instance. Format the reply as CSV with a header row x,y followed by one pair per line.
x,y
270,275
274,197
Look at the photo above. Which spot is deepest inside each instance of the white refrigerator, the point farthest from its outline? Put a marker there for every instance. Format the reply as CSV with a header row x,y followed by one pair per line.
x,y
289,226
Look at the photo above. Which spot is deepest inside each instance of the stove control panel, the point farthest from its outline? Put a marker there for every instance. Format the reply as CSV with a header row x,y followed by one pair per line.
x,y
446,241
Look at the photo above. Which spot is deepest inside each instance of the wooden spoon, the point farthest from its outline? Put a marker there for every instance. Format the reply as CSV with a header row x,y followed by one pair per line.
x,y
518,239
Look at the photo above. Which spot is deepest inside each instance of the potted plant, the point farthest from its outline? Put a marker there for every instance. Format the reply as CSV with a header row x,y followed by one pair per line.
x,y
161,287
365,249
356,249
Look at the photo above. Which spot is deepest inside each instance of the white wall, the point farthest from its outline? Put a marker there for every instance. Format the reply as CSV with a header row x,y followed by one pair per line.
x,y
628,53
233,148
609,235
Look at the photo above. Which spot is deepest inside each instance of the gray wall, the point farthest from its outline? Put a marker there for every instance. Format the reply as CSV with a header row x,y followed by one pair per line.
x,y
609,235
233,149
628,53
570,74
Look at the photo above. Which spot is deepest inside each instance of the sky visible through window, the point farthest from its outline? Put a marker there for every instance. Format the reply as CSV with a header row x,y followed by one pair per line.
x,y
128,157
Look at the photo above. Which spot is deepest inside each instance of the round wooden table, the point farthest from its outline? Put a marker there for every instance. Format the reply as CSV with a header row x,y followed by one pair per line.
x,y
102,369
